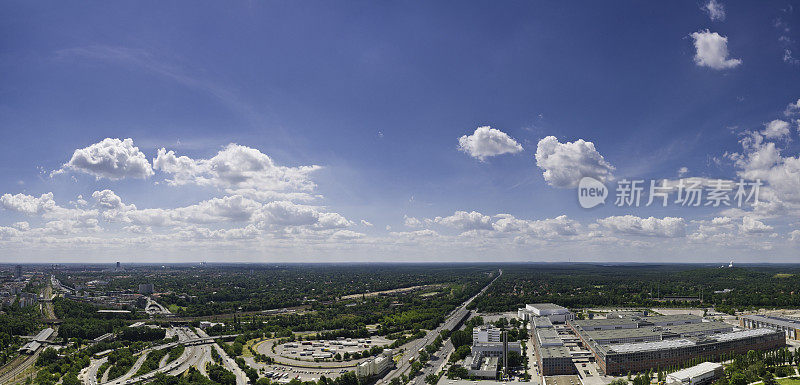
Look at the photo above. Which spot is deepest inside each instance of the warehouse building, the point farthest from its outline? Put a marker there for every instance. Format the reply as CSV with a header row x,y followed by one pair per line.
x,y
670,320
606,324
551,354
697,329
626,313
621,336
702,374
789,327
664,341
556,314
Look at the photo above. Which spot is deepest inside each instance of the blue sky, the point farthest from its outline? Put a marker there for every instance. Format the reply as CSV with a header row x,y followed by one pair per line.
x,y
377,95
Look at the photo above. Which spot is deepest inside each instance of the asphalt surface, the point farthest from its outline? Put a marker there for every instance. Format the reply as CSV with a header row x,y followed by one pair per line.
x,y
196,354
228,362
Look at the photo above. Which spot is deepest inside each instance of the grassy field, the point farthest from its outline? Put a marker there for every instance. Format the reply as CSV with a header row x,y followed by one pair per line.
x,y
789,381
247,353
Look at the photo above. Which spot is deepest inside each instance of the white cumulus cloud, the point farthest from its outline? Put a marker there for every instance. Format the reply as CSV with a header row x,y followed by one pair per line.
x,y
463,220
28,204
763,160
753,226
412,222
486,142
235,168
712,51
564,164
669,227
108,199
560,226
776,129
111,158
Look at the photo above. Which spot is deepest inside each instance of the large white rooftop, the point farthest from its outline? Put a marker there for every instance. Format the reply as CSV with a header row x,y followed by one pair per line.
x,y
646,346
687,374
742,334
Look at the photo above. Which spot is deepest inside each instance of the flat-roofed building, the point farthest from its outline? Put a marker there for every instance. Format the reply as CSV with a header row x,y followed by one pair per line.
x,y
697,329
643,356
621,336
637,344
482,367
555,360
369,368
626,313
486,334
556,313
494,349
605,324
548,337
671,320
542,322
704,373
551,354
790,327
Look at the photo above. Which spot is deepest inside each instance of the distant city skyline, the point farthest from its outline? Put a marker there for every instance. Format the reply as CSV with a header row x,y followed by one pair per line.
x,y
376,132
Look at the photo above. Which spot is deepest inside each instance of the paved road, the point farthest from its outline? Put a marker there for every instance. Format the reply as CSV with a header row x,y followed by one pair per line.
x,y
197,353
89,376
154,307
228,362
134,368
265,347
413,353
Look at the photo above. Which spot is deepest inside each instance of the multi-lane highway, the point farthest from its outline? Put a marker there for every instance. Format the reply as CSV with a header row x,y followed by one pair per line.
x,y
154,307
196,354
453,320
228,362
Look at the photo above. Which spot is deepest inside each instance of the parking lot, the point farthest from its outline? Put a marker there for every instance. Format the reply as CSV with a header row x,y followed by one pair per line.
x,y
328,349
283,374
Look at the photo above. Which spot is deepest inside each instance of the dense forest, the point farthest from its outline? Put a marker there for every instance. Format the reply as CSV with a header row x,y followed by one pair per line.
x,y
588,285
81,320
14,322
216,289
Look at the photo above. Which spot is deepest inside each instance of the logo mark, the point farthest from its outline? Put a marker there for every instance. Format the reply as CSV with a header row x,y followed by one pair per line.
x,y
591,192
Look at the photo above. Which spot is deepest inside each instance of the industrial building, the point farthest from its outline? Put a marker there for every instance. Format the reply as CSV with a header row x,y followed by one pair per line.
x,y
704,373
556,314
636,344
488,349
551,354
790,327
627,313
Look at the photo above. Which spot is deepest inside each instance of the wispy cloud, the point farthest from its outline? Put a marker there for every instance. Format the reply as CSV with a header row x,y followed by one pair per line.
x,y
141,59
